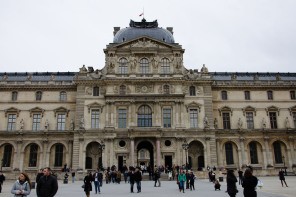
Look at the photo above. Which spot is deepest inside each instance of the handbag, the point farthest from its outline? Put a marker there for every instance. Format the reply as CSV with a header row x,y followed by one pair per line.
x,y
83,186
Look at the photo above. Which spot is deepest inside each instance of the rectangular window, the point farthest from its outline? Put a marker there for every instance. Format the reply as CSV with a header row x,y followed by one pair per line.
x,y
269,95
247,95
122,118
167,118
11,122
14,96
250,120
294,119
272,116
96,91
193,118
226,121
95,118
224,95
36,122
292,93
61,122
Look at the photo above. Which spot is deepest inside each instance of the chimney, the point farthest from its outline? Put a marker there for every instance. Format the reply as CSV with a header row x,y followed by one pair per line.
x,y
170,29
116,29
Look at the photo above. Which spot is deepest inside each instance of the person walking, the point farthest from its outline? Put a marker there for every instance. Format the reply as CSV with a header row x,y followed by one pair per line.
x,y
182,179
47,185
191,180
138,179
87,184
22,187
73,176
2,179
240,176
156,178
39,175
131,175
96,182
249,184
282,177
231,183
118,177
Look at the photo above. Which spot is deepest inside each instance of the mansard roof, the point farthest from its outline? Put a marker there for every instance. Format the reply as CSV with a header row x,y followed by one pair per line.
x,y
250,76
38,76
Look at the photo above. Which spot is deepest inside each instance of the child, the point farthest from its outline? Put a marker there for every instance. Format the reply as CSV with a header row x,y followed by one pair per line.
x,y
217,185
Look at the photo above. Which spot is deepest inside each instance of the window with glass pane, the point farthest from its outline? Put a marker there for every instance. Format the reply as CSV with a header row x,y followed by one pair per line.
x,y
165,66
272,117
144,66
292,93
59,151
250,120
253,153
122,118
247,95
224,95
122,66
95,118
63,96
192,91
144,116
14,96
167,118
294,119
11,122
277,152
33,155
193,118
61,122
229,153
142,155
38,96
166,89
96,91
226,120
269,95
36,122
122,90
7,156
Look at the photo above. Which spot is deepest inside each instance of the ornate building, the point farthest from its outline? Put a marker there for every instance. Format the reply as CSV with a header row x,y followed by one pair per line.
x,y
141,107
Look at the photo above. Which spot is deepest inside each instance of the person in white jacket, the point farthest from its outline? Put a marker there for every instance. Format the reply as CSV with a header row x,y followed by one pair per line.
x,y
22,187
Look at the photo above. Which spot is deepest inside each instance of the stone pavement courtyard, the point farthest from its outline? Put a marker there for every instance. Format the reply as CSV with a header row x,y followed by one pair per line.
x,y
271,188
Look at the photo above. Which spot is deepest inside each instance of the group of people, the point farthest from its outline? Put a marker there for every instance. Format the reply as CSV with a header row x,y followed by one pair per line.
x,y
185,178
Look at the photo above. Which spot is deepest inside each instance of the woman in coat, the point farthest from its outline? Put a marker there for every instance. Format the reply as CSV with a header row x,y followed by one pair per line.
x,y
231,183
182,179
282,177
87,184
249,184
22,187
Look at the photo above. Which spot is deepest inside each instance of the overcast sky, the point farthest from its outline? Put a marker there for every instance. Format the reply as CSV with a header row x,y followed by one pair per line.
x,y
226,35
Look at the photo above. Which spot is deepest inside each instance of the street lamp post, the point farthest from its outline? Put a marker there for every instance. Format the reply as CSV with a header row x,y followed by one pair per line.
x,y
185,146
283,157
2,160
101,147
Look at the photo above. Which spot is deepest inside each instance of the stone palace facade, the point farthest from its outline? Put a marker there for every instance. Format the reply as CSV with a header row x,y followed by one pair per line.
x,y
141,107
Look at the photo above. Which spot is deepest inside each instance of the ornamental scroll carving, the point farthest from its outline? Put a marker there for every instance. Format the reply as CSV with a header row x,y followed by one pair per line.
x,y
110,63
144,43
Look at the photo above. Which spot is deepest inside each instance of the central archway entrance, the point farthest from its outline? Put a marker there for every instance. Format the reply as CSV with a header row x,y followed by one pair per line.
x,y
145,154
93,158
196,155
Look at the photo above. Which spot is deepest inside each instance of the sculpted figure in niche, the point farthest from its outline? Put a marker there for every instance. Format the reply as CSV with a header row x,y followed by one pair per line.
x,y
81,123
264,123
71,125
287,123
179,61
22,124
46,125
154,62
240,123
216,123
206,122
133,63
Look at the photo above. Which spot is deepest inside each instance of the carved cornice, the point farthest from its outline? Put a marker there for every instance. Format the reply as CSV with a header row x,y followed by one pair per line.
x,y
225,109
292,109
272,109
95,105
193,105
61,110
249,109
12,110
37,110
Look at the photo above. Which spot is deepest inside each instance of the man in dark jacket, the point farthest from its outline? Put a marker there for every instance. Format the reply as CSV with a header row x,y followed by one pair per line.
x,y
47,185
131,174
2,179
39,175
138,179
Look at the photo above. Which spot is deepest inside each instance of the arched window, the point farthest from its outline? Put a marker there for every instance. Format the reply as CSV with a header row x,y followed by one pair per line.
x,y
277,152
144,66
165,66
63,96
38,96
14,96
7,155
122,90
58,160
144,116
122,66
253,153
192,91
33,155
229,153
166,89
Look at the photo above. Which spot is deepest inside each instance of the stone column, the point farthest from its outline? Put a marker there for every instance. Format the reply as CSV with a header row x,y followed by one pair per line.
x,y
112,152
219,153
242,145
291,140
17,155
268,155
158,151
132,156
112,111
81,154
107,122
133,117
176,114
265,162
208,151
178,152
70,147
43,156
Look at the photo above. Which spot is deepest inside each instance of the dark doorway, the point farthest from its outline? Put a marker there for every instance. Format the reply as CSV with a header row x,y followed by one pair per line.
x,y
201,162
100,163
120,163
189,162
146,145
88,163
168,160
